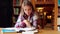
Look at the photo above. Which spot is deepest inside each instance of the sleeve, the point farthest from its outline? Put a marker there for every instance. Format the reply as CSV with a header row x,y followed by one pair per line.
x,y
35,18
35,23
18,22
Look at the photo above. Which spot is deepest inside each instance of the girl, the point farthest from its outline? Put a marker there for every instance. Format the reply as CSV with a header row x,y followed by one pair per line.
x,y
27,17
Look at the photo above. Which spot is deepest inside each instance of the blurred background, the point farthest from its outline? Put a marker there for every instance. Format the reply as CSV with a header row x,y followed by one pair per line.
x,y
48,11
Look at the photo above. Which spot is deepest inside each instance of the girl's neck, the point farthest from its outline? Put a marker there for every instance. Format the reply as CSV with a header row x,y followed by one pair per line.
x,y
26,16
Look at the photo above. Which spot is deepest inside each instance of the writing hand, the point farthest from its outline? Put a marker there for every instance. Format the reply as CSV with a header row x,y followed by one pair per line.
x,y
27,23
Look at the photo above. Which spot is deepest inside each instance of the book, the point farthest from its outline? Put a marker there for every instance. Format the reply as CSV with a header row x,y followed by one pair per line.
x,y
16,11
14,20
14,2
8,30
17,2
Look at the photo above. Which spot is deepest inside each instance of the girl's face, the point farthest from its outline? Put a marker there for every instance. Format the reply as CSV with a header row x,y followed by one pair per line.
x,y
27,10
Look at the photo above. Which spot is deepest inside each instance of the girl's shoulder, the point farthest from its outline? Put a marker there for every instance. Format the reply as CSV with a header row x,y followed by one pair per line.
x,y
35,16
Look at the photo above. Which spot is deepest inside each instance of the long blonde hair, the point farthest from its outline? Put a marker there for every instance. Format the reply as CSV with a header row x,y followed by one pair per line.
x,y
26,2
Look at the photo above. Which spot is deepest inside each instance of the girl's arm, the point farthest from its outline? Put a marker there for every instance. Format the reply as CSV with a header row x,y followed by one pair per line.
x,y
36,21
18,22
21,23
36,24
27,23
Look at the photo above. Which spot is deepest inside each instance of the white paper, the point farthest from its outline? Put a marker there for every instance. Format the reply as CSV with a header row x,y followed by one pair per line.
x,y
26,29
18,29
58,21
28,32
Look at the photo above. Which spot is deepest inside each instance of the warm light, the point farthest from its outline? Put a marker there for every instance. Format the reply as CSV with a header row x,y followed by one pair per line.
x,y
44,13
49,17
40,8
53,10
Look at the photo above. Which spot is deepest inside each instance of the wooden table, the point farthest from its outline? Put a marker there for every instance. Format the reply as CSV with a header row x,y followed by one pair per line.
x,y
40,32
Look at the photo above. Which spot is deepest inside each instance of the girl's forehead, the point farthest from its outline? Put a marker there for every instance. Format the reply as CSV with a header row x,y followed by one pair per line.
x,y
27,6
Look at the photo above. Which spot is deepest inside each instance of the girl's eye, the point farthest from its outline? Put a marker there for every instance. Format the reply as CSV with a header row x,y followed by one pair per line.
x,y
29,9
25,9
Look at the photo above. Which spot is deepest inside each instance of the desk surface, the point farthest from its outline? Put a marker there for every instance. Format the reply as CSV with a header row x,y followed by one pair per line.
x,y
40,32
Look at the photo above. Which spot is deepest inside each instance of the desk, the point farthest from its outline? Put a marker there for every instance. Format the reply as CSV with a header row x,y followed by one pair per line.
x,y
40,32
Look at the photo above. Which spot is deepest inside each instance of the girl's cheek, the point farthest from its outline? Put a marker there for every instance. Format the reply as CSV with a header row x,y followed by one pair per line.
x,y
30,12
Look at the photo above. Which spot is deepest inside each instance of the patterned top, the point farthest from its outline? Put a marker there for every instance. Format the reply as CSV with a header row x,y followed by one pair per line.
x,y
32,20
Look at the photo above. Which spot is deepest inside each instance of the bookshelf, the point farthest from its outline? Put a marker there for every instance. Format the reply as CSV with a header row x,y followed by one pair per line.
x,y
44,1
46,13
16,10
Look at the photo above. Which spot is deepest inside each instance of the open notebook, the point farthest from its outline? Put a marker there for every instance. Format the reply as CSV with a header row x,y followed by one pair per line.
x,y
16,29
8,30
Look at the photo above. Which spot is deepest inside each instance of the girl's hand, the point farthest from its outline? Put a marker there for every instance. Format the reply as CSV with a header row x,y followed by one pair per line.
x,y
27,23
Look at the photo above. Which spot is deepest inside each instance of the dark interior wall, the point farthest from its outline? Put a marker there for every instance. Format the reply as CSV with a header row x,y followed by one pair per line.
x,y
6,11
